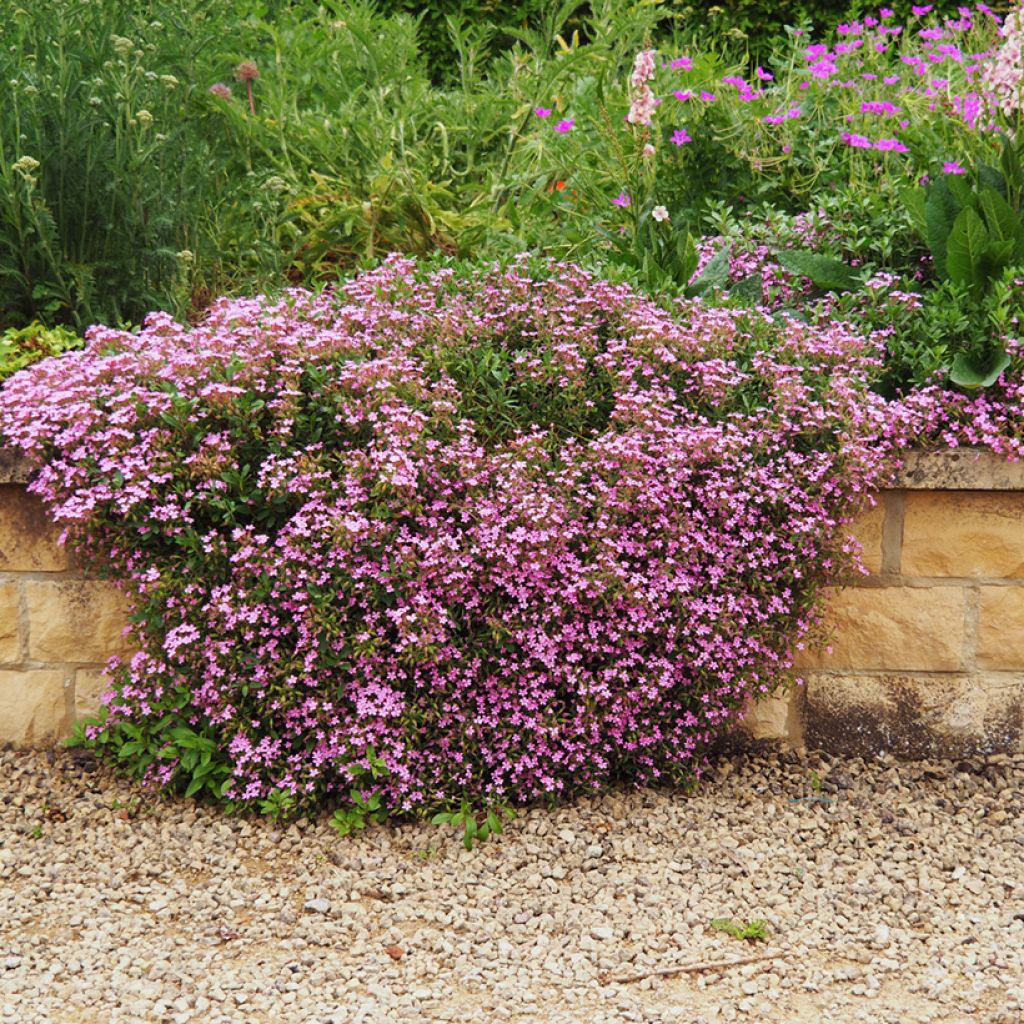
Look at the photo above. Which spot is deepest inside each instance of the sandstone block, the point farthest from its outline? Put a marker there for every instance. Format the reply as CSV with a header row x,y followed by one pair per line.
x,y
90,685
28,540
75,620
893,628
915,716
1000,628
768,718
32,710
959,533
10,641
867,530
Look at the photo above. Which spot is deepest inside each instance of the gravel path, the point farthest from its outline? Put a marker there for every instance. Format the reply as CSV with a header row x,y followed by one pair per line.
x,y
892,892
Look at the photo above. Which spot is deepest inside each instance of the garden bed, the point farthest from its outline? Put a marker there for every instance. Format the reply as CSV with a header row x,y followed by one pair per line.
x,y
926,656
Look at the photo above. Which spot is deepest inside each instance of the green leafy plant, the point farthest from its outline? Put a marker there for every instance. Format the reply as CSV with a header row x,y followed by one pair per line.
x,y
749,931
475,825
21,348
366,807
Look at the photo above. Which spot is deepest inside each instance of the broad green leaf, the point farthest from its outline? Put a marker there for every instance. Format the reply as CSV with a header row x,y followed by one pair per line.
x,y
914,201
975,373
965,250
714,275
1002,220
749,290
824,272
940,211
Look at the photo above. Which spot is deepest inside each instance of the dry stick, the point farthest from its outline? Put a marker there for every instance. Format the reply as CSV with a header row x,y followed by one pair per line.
x,y
707,965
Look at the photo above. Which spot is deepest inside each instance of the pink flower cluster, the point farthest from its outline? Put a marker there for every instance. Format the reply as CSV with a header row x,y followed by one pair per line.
x,y
522,532
1003,76
643,102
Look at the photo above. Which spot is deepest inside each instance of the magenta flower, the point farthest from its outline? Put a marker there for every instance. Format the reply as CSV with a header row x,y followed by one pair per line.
x,y
765,76
856,141
683,95
681,62
953,167
542,111
622,199
920,12
707,97
566,125
681,137
891,146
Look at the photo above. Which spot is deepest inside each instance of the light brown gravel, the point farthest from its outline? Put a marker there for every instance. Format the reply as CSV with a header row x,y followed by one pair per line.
x,y
893,893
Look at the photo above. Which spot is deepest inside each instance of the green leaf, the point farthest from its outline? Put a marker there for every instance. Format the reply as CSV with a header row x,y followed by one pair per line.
x,y
914,201
828,274
965,250
193,787
1002,221
714,275
749,290
971,372
940,210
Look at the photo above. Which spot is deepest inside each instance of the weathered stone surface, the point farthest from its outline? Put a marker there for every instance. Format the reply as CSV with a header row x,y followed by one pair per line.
x,y
960,469
10,644
74,620
32,710
1000,628
90,685
915,716
768,718
867,530
958,533
893,628
28,540
13,468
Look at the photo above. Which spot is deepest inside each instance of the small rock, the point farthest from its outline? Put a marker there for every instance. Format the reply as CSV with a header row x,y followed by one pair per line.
x,y
318,906
602,932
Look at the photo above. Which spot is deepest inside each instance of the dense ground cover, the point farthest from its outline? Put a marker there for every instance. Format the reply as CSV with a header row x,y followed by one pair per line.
x,y
452,534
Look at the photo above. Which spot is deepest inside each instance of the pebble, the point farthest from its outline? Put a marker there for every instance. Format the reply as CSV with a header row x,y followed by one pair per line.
x,y
294,925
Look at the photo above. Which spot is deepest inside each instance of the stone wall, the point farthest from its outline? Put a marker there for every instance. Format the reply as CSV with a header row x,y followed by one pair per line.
x,y
57,629
927,652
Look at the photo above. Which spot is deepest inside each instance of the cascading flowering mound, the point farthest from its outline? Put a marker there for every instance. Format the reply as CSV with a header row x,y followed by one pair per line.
x,y
519,531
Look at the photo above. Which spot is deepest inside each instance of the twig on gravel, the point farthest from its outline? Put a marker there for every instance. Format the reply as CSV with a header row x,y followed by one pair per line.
x,y
703,965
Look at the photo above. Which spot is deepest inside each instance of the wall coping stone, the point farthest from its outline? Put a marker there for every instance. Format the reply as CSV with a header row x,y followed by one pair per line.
x,y
950,469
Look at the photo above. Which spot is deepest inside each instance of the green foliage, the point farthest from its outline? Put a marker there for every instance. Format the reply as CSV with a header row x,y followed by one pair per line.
x,y
475,825
974,228
21,348
366,806
825,273
752,931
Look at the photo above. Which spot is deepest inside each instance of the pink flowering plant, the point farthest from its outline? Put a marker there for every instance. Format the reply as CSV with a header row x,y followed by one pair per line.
x,y
451,536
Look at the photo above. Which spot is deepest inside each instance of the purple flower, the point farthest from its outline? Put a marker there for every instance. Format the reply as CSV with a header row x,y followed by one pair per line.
x,y
680,137
622,199
891,146
566,125
953,167
542,111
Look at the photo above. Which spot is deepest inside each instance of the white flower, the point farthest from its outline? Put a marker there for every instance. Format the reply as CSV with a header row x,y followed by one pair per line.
x,y
659,213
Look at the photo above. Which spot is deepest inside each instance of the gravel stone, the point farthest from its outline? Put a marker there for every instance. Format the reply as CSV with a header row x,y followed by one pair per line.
x,y
901,899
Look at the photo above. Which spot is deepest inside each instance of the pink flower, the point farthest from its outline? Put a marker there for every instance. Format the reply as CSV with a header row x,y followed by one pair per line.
x,y
707,97
683,95
953,167
622,199
565,126
680,137
542,111
765,76
891,146
221,91
920,12
681,62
